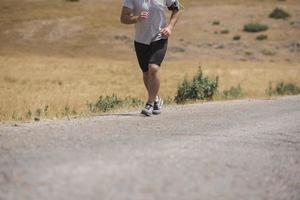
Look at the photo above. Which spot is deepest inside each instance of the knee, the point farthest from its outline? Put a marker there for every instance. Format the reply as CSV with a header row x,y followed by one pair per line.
x,y
153,69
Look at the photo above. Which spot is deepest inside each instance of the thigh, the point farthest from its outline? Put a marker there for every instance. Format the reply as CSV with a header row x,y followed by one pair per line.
x,y
158,51
143,53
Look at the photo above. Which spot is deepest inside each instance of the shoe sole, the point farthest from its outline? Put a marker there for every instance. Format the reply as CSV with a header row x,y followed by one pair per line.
x,y
146,113
156,112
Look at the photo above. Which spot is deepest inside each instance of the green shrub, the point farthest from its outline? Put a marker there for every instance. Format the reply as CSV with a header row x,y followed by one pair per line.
x,y
67,110
225,31
233,92
216,23
108,103
283,89
200,87
38,112
29,114
279,13
236,37
104,104
131,102
262,37
269,91
287,89
255,27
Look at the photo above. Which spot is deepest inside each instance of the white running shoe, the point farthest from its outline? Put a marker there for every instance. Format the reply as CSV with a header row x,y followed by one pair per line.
x,y
147,110
158,103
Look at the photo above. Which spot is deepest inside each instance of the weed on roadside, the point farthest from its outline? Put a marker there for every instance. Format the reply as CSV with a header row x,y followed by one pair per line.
x,y
282,89
200,87
109,103
233,92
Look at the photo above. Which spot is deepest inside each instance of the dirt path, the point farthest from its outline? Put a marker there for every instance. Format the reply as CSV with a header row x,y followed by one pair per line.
x,y
221,150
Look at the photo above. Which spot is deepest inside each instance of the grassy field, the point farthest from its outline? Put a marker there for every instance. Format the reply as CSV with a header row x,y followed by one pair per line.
x,y
62,61
60,83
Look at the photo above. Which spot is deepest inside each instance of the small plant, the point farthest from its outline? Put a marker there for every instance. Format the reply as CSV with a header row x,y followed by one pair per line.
x,y
108,103
132,102
255,27
46,109
279,13
268,52
262,37
225,31
38,112
283,89
14,116
248,53
216,23
200,87
236,37
287,89
269,91
67,110
29,114
104,104
233,92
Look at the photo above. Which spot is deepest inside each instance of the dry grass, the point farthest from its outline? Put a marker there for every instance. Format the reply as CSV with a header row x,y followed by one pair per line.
x,y
61,82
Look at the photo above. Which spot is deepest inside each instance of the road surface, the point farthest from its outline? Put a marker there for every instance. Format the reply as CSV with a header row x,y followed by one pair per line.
x,y
244,149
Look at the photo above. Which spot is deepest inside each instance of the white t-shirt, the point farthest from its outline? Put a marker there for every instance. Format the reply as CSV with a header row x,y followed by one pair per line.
x,y
148,30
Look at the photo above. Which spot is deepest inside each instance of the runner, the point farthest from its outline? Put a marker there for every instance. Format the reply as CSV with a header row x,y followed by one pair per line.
x,y
151,40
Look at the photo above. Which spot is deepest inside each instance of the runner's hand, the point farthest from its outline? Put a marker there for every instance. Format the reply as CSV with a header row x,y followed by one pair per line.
x,y
143,16
166,32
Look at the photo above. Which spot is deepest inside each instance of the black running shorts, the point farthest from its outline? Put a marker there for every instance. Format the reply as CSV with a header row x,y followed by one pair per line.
x,y
151,54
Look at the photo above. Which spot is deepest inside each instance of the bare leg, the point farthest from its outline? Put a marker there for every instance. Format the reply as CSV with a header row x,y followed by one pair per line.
x,y
153,82
146,80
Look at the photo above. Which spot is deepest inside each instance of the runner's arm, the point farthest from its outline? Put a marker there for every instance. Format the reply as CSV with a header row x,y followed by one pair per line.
x,y
173,20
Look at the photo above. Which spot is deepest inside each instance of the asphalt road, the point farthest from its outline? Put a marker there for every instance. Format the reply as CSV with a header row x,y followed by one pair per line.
x,y
248,149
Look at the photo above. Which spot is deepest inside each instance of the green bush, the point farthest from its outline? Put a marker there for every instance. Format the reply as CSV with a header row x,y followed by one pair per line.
x,y
287,89
108,103
225,31
255,27
262,37
131,102
236,37
233,92
283,89
200,87
104,104
279,13
269,91
216,23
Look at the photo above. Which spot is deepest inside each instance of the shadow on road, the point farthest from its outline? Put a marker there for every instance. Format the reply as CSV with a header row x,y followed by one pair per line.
x,y
124,114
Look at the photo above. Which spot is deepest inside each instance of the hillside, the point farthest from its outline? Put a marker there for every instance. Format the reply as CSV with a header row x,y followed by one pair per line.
x,y
89,28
